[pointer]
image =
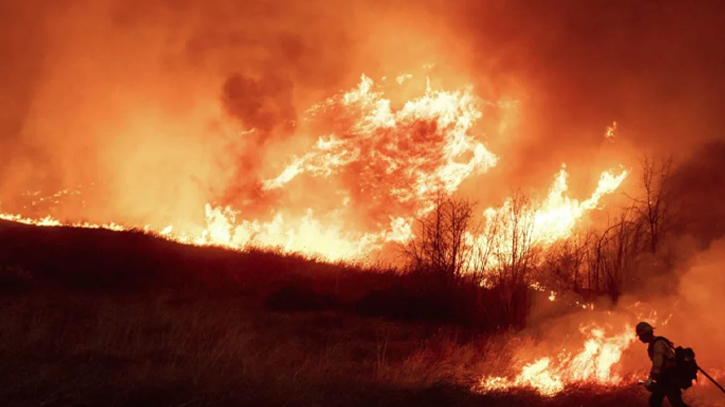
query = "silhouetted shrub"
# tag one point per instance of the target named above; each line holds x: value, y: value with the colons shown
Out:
x: 299, y: 294
x: 111, y: 262
x: 464, y: 302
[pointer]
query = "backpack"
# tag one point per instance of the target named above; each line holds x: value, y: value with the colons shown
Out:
x: 685, y: 367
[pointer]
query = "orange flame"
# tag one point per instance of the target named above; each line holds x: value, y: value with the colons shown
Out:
x: 553, y: 220
x: 421, y: 149
x: 433, y: 131
x: 550, y: 375
x: 558, y: 215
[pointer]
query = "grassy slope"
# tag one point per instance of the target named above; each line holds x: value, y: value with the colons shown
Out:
x: 99, y: 318
x: 91, y: 350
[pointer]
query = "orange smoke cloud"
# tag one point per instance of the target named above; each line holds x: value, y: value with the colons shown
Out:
x: 386, y: 164
x: 125, y: 91
x: 159, y: 102
x: 223, y: 122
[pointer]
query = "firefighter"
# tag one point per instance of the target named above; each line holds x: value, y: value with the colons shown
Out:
x: 661, y: 381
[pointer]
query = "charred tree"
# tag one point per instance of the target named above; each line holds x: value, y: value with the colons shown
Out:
x: 440, y: 247
x: 654, y: 205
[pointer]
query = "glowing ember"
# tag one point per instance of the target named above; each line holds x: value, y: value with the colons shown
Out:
x: 611, y: 132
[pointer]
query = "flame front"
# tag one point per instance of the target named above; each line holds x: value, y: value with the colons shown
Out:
x: 418, y: 150
x: 558, y: 215
x: 394, y: 160
x: 591, y: 364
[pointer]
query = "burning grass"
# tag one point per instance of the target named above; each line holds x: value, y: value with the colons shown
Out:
x: 151, y: 322
x: 162, y: 350
x: 403, y: 157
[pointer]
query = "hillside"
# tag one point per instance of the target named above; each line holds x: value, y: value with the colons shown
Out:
x: 134, y: 319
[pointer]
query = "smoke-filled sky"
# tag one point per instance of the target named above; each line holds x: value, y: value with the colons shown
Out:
x: 156, y: 97
x: 154, y: 100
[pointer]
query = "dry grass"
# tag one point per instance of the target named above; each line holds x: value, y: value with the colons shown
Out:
x: 130, y: 263
x: 60, y: 350
x: 95, y: 318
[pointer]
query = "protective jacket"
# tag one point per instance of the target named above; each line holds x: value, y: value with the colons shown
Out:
x: 662, y: 355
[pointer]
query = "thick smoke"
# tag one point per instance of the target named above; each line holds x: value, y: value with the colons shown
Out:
x: 262, y: 105
x: 154, y: 98
x: 174, y: 104
x: 167, y: 105
x: 697, y: 187
x: 652, y: 66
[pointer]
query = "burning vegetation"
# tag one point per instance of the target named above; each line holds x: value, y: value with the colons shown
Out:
x: 395, y: 164
x: 507, y: 197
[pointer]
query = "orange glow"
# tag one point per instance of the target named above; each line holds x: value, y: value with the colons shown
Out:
x: 380, y: 134
x: 554, y: 219
x: 50, y: 221
x: 591, y: 363
x: 593, y: 357
x: 402, y: 158
x: 611, y: 132
x: 558, y: 215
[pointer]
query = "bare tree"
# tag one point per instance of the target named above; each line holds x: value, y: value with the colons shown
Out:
x: 612, y: 252
x: 622, y: 240
x: 513, y: 255
x: 441, y: 246
x: 654, y: 206
x: 514, y: 246
x: 564, y: 263
x: 484, y: 245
